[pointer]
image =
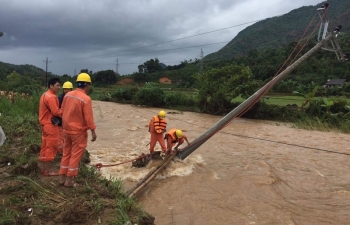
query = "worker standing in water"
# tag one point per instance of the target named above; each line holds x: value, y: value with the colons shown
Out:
x: 67, y: 87
x: 175, y: 136
x: 157, y: 127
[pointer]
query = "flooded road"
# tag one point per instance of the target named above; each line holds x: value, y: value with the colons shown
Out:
x: 251, y: 172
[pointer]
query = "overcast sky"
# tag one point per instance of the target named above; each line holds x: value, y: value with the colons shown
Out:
x: 93, y: 35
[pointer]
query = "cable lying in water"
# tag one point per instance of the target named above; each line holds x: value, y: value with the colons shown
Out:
x: 295, y: 145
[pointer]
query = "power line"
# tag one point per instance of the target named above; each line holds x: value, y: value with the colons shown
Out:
x: 204, y: 33
x: 263, y: 139
x: 164, y: 50
x: 290, y: 144
x: 171, y: 49
x: 195, y: 35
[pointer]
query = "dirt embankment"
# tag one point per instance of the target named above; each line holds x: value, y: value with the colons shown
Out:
x: 28, y: 197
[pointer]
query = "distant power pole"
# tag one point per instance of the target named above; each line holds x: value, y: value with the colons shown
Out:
x: 201, y: 63
x: 116, y: 68
x: 46, y: 62
x: 75, y: 71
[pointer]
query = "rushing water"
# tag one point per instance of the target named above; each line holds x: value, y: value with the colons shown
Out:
x: 251, y: 172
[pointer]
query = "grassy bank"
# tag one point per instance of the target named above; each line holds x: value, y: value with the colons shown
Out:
x: 29, y: 198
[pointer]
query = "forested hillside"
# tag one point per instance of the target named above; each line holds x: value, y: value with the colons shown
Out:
x: 318, y: 68
x: 263, y: 47
x: 280, y: 31
x: 7, y: 68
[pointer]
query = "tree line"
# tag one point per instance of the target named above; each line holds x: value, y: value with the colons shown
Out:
x: 264, y: 64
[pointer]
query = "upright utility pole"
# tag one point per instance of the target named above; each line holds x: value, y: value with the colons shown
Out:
x: 116, y: 69
x: 46, y: 62
x: 201, y: 63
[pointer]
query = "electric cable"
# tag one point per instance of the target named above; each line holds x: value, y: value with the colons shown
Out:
x: 237, y: 25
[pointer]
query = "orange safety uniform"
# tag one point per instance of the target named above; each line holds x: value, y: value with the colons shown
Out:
x: 48, y: 108
x: 157, y: 127
x: 61, y: 136
x: 60, y: 140
x: 172, y: 139
x: 77, y: 117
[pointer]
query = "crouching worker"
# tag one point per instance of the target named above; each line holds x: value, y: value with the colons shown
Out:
x: 77, y: 119
x: 175, y: 136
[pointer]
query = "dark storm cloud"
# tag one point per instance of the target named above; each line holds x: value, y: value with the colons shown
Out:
x: 83, y: 33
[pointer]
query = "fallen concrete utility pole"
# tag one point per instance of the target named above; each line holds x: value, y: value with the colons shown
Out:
x: 149, y: 177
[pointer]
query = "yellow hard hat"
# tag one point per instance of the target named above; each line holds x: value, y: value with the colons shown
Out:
x: 67, y: 85
x: 84, y: 77
x: 161, y: 114
x: 178, y: 133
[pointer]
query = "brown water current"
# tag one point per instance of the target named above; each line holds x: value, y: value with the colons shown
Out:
x: 251, y: 172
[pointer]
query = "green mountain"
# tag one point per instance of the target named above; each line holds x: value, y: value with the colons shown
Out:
x: 7, y: 68
x: 279, y: 31
x: 27, y: 71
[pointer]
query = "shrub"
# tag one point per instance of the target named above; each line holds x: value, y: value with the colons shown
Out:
x: 125, y: 94
x: 150, y: 95
x: 177, y: 99
x: 262, y: 110
x: 317, y: 107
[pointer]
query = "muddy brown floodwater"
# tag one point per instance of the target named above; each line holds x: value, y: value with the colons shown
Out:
x: 251, y: 172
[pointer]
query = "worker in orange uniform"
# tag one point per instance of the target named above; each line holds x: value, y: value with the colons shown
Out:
x: 157, y: 127
x: 77, y: 119
x: 67, y: 87
x: 175, y: 136
x: 48, y: 108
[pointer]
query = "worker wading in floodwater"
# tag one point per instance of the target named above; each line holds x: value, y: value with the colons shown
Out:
x: 175, y: 136
x: 157, y: 127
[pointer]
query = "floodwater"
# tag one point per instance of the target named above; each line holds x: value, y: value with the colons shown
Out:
x: 251, y: 172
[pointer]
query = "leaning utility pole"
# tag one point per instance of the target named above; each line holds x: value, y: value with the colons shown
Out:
x: 47, y: 62
x: 328, y: 41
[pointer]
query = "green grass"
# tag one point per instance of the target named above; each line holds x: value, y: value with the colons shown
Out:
x: 8, y: 216
x: 190, y: 93
x: 19, y: 120
x: 283, y: 100
x: 313, y: 123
